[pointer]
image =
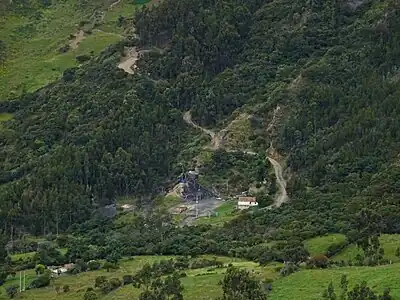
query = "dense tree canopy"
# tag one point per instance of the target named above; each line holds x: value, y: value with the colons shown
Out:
x: 98, y: 133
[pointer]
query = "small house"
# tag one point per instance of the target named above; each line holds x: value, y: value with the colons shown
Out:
x: 246, y: 202
x: 127, y: 207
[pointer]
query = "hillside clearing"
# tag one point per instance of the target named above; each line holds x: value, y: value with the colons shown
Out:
x: 319, y: 245
x: 310, y: 284
x: 389, y: 242
x: 34, y: 59
x: 222, y: 214
x: 198, y: 281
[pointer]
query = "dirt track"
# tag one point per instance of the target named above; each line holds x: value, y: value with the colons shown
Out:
x: 217, y: 142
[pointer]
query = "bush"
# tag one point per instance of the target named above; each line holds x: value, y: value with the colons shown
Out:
x: 74, y: 271
x: 93, y: 265
x: 100, y: 281
x: 115, y: 283
x: 81, y: 265
x: 39, y: 269
x: 110, y: 266
x: 319, y: 261
x: 127, y: 279
x: 181, y: 263
x: 90, y: 294
x: 82, y: 58
x: 288, y: 269
x: 204, y: 263
x: 336, y: 248
x: 40, y: 281
x: 66, y: 288
x: 62, y: 240
x: 12, y: 291
x: 83, y: 23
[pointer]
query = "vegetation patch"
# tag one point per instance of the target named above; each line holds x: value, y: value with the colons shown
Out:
x: 32, y: 41
x: 309, y: 284
x: 223, y: 213
x: 320, y: 245
x: 389, y: 242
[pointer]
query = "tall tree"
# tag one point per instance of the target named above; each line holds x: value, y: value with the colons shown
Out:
x: 240, y: 285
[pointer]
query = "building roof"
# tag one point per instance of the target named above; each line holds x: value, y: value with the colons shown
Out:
x: 247, y: 199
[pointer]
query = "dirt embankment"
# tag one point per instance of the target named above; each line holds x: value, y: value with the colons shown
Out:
x: 79, y: 37
x: 128, y: 61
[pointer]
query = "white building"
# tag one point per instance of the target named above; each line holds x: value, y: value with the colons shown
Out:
x: 246, y: 202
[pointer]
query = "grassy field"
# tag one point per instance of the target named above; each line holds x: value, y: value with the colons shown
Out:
x: 199, y: 283
x: 23, y: 256
x: 309, y: 284
x: 203, y: 284
x: 33, y: 41
x: 5, y: 117
x: 224, y: 213
x: 389, y: 242
x: 319, y: 245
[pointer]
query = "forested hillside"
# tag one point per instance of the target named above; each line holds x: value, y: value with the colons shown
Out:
x: 82, y: 141
x: 98, y: 133
x: 314, y: 84
x: 333, y: 65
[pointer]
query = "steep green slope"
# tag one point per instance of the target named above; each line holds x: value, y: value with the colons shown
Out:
x: 82, y: 141
x: 42, y: 38
x: 310, y: 284
x: 331, y: 66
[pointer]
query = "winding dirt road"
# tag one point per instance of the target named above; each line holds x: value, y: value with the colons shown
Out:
x: 114, y: 4
x: 217, y: 141
x: 281, y: 197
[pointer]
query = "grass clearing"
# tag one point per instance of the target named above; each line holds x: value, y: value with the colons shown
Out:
x: 33, y: 41
x: 310, y: 284
x: 319, y: 245
x: 223, y: 213
x: 5, y: 117
x: 23, y: 256
x: 389, y: 242
x: 194, y: 283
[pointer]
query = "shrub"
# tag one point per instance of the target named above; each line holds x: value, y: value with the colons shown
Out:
x: 181, y: 263
x: 110, y: 266
x: 81, y: 265
x: 73, y: 271
x: 62, y: 240
x: 336, y: 248
x: 93, y: 265
x: 288, y: 269
x: 319, y: 261
x: 127, y: 279
x: 82, y: 58
x: 40, y: 281
x: 12, y: 291
x: 83, y: 23
x: 39, y: 269
x: 66, y: 288
x: 203, y: 263
x: 115, y: 283
x: 90, y: 294
x: 100, y: 281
